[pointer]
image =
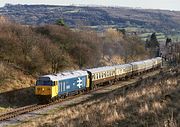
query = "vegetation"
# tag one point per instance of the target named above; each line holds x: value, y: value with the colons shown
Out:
x: 153, y: 45
x: 60, y: 22
x: 154, y: 102
x: 139, y: 20
x: 135, y: 21
x: 153, y: 42
x: 52, y: 48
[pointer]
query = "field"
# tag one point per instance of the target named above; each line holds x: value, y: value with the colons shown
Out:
x: 145, y: 33
x: 175, y: 37
x: 152, y: 102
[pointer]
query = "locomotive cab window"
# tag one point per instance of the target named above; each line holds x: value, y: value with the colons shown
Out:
x: 46, y: 83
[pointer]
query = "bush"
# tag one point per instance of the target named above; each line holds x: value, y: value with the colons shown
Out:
x: 51, y: 48
x: 3, y: 73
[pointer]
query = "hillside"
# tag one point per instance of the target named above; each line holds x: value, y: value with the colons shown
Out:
x: 164, y: 21
x: 30, y: 51
x: 27, y: 52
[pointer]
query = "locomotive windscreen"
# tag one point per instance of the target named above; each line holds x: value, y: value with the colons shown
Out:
x: 44, y: 83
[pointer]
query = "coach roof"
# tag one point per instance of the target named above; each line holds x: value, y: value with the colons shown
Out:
x: 101, y: 69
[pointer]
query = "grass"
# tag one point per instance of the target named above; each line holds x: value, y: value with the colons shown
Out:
x: 12, y: 79
x: 175, y: 37
x: 153, y: 103
x: 15, y: 86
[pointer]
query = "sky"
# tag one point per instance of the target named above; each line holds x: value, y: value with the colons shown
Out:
x: 148, y: 4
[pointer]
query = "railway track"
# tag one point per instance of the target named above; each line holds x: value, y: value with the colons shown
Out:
x: 30, y: 108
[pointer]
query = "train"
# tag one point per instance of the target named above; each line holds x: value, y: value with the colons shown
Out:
x: 60, y: 85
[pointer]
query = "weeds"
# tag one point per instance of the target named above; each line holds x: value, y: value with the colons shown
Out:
x: 145, y: 105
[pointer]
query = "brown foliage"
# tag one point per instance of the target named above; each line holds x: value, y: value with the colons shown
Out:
x: 51, y: 48
x: 130, y: 48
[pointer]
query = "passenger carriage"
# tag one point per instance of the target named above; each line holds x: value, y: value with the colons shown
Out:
x: 149, y: 64
x: 123, y: 71
x: 138, y: 67
x: 157, y: 62
x: 101, y: 75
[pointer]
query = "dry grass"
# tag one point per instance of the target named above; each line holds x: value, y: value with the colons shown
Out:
x: 12, y: 79
x: 155, y: 103
x: 14, y: 86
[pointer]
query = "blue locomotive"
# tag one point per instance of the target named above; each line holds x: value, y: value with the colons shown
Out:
x: 50, y: 87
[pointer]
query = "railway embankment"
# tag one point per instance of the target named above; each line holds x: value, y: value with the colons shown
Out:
x: 150, y: 100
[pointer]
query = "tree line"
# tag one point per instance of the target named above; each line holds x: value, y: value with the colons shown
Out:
x: 53, y: 48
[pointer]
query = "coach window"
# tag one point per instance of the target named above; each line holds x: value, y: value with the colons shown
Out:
x: 64, y: 86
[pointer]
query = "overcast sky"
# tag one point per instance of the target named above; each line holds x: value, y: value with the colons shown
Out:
x: 153, y: 4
